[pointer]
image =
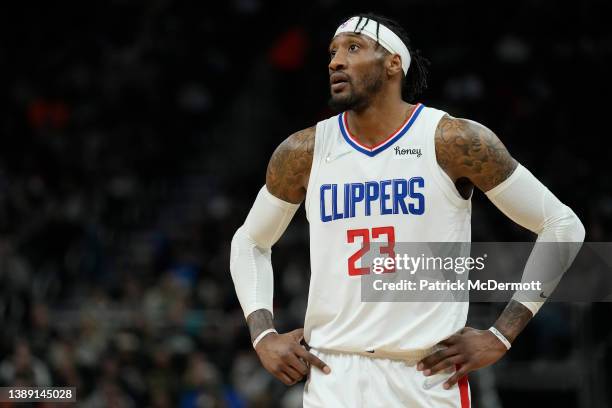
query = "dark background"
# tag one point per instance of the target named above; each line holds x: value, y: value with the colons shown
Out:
x: 135, y: 136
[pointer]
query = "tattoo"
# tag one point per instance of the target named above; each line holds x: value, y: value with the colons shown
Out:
x: 259, y: 321
x: 513, y: 320
x: 466, y: 149
x: 289, y: 168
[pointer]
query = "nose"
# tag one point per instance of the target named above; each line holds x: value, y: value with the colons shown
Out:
x: 338, y: 62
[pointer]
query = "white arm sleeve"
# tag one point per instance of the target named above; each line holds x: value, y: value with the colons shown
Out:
x: 250, y: 259
x: 526, y: 201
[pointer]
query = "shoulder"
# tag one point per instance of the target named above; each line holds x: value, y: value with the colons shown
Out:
x: 465, y: 148
x: 299, y: 142
x: 450, y: 128
x: 289, y: 166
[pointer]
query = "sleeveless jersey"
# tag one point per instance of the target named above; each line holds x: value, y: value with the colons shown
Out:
x: 394, y: 188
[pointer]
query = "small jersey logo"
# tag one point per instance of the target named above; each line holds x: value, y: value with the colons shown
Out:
x: 405, y: 153
x: 331, y: 158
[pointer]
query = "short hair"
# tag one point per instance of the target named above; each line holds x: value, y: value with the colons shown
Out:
x: 415, y: 81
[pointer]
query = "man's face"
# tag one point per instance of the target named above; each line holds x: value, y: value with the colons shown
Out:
x: 356, y: 71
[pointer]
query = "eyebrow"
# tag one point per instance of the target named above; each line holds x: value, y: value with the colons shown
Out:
x: 354, y: 35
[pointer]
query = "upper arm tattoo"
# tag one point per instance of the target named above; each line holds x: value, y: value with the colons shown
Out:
x: 467, y: 149
x: 289, y: 168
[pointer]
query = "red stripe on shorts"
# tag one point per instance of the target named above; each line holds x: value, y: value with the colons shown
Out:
x: 464, y: 392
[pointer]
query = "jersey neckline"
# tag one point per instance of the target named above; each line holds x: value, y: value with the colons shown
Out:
x: 379, y: 147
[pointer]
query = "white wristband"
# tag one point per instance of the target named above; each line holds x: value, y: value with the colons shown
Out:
x: 501, y: 337
x: 262, y: 335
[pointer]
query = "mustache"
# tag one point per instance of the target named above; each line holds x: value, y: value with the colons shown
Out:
x: 339, y: 77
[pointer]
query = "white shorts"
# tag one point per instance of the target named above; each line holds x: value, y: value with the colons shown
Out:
x: 360, y: 381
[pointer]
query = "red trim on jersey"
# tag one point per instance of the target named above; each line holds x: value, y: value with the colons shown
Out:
x: 370, y: 148
x: 464, y: 392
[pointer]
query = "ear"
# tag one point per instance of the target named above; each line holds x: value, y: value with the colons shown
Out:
x: 393, y: 64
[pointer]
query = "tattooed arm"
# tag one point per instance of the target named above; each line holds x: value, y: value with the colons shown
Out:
x: 286, y: 178
x: 472, y: 155
x: 286, y: 182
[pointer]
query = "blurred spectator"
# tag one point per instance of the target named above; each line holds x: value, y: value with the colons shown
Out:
x: 24, y: 368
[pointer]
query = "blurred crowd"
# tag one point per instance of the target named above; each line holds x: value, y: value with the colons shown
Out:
x: 136, y: 135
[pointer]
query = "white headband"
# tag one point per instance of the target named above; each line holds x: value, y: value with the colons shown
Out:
x: 387, y: 38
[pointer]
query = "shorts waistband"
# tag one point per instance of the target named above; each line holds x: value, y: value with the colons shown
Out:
x: 409, y: 357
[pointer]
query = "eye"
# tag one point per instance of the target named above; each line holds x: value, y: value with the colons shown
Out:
x: 354, y: 47
x: 332, y: 53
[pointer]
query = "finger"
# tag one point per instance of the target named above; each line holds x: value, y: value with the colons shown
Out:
x: 313, y: 360
x: 445, y: 364
x: 296, y: 363
x: 292, y: 373
x: 434, y: 358
x: 284, y: 377
x: 451, y: 340
x: 462, y: 372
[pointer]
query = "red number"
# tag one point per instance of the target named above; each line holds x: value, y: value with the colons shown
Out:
x: 365, y: 247
x: 388, y: 249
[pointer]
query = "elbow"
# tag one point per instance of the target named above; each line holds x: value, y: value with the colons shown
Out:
x: 238, y: 236
x: 568, y: 227
x: 241, y: 242
x: 575, y: 229
x: 235, y: 249
x: 581, y: 231
x: 242, y: 237
x: 564, y: 226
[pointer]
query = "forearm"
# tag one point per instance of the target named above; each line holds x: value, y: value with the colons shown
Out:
x: 258, y: 321
x: 560, y: 234
x: 513, y: 320
x: 251, y: 270
x: 250, y: 258
x: 530, y: 204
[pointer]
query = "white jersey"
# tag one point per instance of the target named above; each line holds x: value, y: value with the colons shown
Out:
x: 394, y: 191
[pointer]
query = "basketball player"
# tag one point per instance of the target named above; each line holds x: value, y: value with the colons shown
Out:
x: 383, y: 169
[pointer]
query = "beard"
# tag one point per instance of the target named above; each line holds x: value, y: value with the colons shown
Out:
x: 358, y: 97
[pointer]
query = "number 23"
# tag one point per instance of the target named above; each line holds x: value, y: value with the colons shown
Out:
x: 364, y: 233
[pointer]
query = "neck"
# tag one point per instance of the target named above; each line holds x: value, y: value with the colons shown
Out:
x: 383, y: 116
